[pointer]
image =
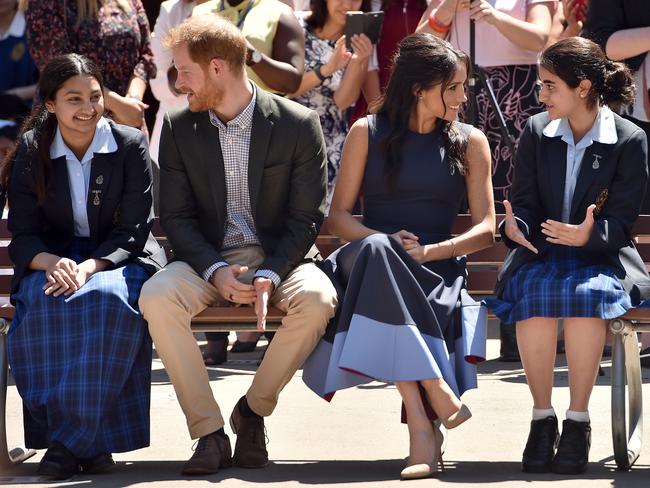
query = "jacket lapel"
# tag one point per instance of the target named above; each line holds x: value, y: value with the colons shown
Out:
x: 593, y: 161
x: 260, y: 138
x: 62, y: 198
x: 208, y: 135
x: 100, y: 174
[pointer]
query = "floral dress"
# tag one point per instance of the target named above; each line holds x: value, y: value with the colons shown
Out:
x: 321, y: 99
x: 117, y: 40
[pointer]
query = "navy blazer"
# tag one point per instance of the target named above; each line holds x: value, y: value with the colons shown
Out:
x: 120, y: 225
x: 538, y: 190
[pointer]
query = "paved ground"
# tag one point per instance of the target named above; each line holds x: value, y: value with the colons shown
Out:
x: 357, y: 440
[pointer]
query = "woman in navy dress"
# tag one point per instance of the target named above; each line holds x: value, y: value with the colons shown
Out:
x: 580, y: 177
x: 401, y: 279
x: 80, y: 212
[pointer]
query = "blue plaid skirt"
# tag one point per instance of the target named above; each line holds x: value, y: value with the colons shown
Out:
x: 82, y: 364
x: 561, y: 284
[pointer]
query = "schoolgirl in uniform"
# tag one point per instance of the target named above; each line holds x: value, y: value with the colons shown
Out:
x: 80, y: 213
x: 580, y: 177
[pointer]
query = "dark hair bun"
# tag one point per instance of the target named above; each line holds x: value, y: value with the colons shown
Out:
x: 618, y: 85
x: 575, y: 59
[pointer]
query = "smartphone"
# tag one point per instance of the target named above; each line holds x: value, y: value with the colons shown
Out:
x: 368, y: 23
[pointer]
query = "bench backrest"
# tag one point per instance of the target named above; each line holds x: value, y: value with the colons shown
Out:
x: 483, y: 266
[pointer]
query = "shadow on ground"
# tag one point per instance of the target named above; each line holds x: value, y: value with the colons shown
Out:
x: 319, y: 472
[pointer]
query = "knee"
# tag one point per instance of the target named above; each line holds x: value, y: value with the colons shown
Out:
x: 155, y: 292
x: 317, y: 303
x: 376, y: 241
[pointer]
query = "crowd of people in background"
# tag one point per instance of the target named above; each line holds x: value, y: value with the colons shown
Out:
x: 375, y: 130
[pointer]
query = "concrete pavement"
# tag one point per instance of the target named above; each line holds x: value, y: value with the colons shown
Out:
x: 357, y: 439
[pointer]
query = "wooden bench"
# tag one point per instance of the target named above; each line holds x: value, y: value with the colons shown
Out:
x: 483, y: 267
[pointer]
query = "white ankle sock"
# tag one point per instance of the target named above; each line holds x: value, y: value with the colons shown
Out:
x: 542, y: 413
x: 577, y: 416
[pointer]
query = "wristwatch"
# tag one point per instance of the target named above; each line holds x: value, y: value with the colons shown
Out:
x: 319, y: 73
x: 253, y: 56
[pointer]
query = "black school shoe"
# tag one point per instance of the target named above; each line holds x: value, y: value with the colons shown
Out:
x: 573, y: 452
x: 58, y: 463
x: 540, y: 447
x: 102, y: 463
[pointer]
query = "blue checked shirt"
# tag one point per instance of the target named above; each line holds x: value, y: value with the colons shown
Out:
x: 235, y: 140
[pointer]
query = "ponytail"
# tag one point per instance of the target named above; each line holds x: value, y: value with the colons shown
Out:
x: 575, y: 59
x: 43, y: 126
x: 618, y: 85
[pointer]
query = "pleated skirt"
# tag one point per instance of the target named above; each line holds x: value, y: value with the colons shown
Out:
x: 561, y: 284
x: 82, y: 364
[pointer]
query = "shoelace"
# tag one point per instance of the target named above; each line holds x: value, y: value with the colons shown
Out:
x: 252, y: 434
x: 200, y: 445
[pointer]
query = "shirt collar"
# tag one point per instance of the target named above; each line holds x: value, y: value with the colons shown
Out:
x: 16, y: 28
x: 103, y: 142
x: 603, y: 130
x: 243, y: 120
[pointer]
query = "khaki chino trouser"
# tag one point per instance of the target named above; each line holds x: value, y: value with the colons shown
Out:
x: 175, y: 294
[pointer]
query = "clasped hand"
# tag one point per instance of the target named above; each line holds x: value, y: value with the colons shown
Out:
x: 64, y: 277
x: 229, y: 287
x: 409, y: 242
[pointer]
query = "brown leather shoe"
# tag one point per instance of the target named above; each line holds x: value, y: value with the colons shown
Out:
x: 250, y: 448
x: 212, y: 453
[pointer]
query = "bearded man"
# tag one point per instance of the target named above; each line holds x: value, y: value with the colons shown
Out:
x: 243, y: 176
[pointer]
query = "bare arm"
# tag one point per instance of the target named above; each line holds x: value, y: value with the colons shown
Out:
x: 481, y: 204
x: 355, y: 73
x: 353, y: 166
x: 338, y: 60
x: 283, y: 72
x: 444, y: 10
x: 628, y: 43
x: 371, y: 87
x: 356, y: 69
x: 531, y: 34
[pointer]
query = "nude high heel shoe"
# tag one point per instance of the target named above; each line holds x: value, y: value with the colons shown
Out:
x: 457, y: 418
x: 424, y: 470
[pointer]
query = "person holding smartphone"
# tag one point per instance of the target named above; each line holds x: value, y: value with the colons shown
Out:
x: 333, y: 75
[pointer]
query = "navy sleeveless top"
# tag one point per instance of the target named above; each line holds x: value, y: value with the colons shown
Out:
x: 426, y: 195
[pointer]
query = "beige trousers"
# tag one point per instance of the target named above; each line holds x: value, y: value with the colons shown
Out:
x: 175, y: 294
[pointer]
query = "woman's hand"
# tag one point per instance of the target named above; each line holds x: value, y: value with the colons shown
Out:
x: 482, y: 11
x: 128, y: 111
x: 574, y: 12
x: 404, y: 237
x: 361, y: 48
x: 417, y: 251
x: 569, y: 234
x: 338, y: 60
x: 61, y: 276
x: 513, y: 231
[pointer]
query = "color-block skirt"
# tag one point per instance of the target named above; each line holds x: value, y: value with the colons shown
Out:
x: 82, y: 364
x: 397, y: 320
